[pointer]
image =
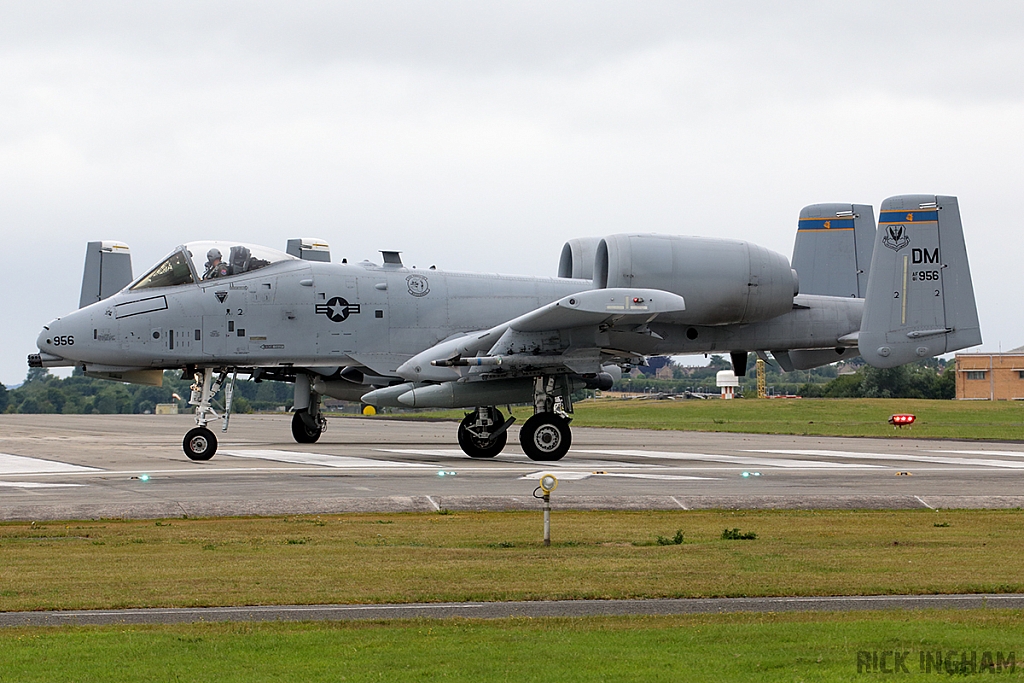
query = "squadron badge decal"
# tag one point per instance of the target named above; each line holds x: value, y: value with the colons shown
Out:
x: 896, y: 237
x: 337, y: 309
x: 418, y: 285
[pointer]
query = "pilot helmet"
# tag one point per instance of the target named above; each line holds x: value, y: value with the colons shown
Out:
x: 213, y: 255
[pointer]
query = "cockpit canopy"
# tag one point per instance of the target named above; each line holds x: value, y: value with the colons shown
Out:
x: 201, y: 261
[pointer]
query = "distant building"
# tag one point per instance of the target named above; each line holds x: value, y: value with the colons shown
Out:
x: 664, y: 372
x: 990, y: 376
x: 728, y: 382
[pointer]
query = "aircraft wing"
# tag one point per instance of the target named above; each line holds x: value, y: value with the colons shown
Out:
x: 564, y: 332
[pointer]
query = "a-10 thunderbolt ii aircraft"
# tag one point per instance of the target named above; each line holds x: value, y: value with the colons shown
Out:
x: 390, y: 335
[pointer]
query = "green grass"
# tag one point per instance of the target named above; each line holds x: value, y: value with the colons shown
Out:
x: 761, y: 647
x: 367, y: 558
x: 980, y: 420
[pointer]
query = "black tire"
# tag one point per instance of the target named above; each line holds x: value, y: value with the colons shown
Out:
x: 481, y: 448
x: 545, y: 437
x: 301, y: 431
x: 199, y: 444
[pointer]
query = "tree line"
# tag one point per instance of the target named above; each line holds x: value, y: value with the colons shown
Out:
x: 929, y: 378
x: 43, y: 392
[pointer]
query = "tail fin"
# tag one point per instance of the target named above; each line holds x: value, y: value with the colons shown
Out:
x: 108, y: 269
x: 833, y: 246
x: 920, y: 300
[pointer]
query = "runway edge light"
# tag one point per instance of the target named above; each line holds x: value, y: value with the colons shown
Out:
x: 902, y: 419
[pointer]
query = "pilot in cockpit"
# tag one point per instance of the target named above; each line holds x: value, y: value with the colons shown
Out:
x: 215, y: 267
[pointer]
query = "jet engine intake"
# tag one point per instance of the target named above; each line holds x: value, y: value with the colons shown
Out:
x: 577, y: 259
x: 723, y: 281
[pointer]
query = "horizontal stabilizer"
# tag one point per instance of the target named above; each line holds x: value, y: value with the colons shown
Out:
x: 832, y: 252
x: 920, y: 300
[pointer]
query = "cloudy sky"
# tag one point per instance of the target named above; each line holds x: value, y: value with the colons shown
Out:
x: 482, y: 135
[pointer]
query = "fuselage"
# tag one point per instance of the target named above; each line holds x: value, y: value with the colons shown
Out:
x: 310, y: 314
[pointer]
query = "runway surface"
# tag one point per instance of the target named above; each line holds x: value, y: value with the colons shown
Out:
x: 132, y: 466
x: 500, y: 610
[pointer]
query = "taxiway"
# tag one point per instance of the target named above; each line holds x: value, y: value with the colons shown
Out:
x: 131, y: 466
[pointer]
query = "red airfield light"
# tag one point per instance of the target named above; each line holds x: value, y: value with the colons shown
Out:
x: 902, y: 420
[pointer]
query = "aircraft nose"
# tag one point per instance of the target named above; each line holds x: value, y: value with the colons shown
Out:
x: 45, y: 340
x: 59, y: 337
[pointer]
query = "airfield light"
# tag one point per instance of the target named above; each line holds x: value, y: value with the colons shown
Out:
x: 745, y: 475
x: 548, y: 483
x: 441, y: 473
x: 143, y: 477
x: 902, y: 420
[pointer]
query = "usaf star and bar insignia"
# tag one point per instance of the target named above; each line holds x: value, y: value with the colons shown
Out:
x: 337, y: 309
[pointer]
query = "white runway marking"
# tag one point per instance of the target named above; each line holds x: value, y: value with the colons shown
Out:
x: 504, y: 458
x: 34, y: 485
x: 1004, y: 454
x: 921, y: 500
x: 660, y: 477
x: 338, y: 461
x: 577, y: 476
x: 733, y: 459
x: 19, y: 464
x: 562, y: 476
x: 1008, y: 464
x: 436, y: 452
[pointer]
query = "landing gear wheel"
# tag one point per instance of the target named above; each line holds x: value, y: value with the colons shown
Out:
x: 474, y: 446
x: 301, y: 429
x: 199, y: 444
x: 545, y: 437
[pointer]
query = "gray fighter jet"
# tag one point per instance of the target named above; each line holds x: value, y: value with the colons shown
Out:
x: 389, y: 335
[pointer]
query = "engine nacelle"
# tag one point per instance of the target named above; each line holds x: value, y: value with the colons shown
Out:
x: 577, y: 259
x: 723, y: 281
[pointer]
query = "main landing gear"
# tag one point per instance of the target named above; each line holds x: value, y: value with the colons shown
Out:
x: 200, y: 443
x: 484, y: 432
x: 545, y: 437
x: 308, y: 423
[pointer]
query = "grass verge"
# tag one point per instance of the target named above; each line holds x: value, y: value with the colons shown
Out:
x: 979, y: 420
x: 376, y: 558
x: 762, y: 647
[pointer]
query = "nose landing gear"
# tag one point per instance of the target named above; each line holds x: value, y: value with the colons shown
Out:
x: 200, y: 443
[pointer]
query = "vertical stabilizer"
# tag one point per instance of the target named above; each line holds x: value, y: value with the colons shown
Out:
x: 920, y: 300
x: 108, y: 270
x: 832, y: 251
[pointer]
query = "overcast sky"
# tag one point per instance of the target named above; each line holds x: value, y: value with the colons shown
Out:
x: 481, y: 136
